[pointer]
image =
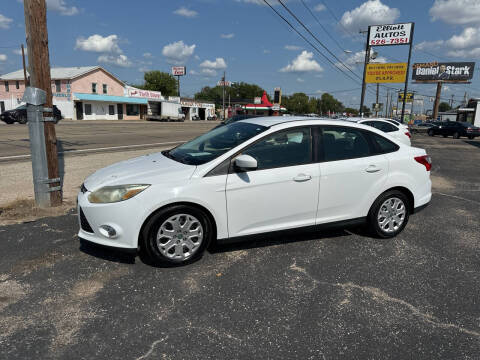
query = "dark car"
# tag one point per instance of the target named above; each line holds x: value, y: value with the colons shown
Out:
x: 421, y: 128
x: 20, y: 115
x: 455, y: 129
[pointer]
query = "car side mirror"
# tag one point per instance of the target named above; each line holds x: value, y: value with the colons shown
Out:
x: 245, y: 163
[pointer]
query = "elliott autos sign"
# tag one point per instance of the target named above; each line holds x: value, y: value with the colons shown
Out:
x: 449, y: 71
x: 393, y: 34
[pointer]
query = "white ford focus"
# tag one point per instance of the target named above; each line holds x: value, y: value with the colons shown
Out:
x: 250, y: 177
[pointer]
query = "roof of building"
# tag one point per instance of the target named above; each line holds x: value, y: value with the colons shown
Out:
x: 265, y: 104
x: 56, y: 73
x: 110, y: 98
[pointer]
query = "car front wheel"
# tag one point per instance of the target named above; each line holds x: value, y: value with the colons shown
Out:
x: 176, y: 235
x: 389, y: 214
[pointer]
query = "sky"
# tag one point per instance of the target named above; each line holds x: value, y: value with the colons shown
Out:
x: 247, y: 40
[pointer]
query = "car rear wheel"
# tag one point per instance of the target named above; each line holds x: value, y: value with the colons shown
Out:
x: 456, y: 135
x: 471, y: 137
x: 389, y: 214
x: 430, y: 133
x: 176, y: 235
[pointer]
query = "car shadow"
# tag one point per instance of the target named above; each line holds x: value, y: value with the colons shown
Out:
x: 108, y: 254
x: 473, y: 143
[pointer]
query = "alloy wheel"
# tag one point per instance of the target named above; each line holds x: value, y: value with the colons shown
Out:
x: 391, y: 215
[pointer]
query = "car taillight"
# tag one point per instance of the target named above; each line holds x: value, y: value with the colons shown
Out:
x: 408, y: 134
x: 424, y: 160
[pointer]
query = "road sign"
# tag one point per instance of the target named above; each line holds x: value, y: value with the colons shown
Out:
x: 179, y: 70
x: 391, y: 34
x: 386, y: 73
x: 409, y: 97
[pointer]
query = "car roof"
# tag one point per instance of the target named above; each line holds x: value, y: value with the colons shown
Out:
x: 269, y: 121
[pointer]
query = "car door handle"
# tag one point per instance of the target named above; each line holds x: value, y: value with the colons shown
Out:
x: 302, y: 177
x: 372, y: 169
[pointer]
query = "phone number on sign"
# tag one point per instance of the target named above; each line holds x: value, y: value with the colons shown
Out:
x: 389, y: 41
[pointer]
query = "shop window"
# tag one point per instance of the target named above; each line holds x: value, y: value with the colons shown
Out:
x: 105, y: 88
x: 88, y: 109
x: 7, y: 89
x: 94, y: 88
x: 111, y: 110
x: 58, y: 86
x: 133, y: 109
x: 17, y: 84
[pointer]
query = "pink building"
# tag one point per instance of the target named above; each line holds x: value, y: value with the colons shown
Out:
x: 81, y: 93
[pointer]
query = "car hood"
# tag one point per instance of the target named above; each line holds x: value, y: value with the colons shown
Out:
x: 148, y: 169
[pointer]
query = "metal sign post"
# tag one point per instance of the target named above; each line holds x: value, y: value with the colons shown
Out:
x: 408, y: 70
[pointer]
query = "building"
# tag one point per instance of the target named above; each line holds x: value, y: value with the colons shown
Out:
x: 81, y: 93
x: 263, y: 107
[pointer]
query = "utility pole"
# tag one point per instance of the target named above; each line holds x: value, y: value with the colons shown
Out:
x: 437, y: 101
x: 24, y: 68
x: 43, y: 141
x: 451, y: 101
x: 408, y: 71
x: 367, y: 59
x: 223, y: 92
x: 386, y: 104
x: 178, y: 84
x: 377, y: 105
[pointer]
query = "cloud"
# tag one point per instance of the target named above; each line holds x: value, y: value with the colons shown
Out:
x: 147, y: 55
x: 319, y: 7
x: 470, y: 37
x: 300, y: 80
x: 218, y: 64
x: 460, y: 12
x: 98, y: 43
x: 61, y: 7
x: 467, y: 53
x: 358, y: 58
x: 19, y: 51
x: 227, y: 36
x: 266, y: 51
x: 208, y: 72
x: 185, y: 12
x: 115, y: 60
x: 303, y: 63
x: 292, y: 47
x: 3, y: 57
x: 425, y: 45
x: 369, y: 13
x: 178, y: 53
x: 5, y: 22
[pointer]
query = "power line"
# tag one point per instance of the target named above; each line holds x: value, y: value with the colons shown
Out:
x: 309, y: 42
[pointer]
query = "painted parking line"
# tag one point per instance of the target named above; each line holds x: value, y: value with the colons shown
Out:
x: 122, y: 147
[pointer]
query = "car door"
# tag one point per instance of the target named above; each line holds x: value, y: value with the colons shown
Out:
x: 351, y: 173
x: 282, y: 192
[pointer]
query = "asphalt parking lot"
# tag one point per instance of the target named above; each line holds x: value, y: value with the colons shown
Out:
x: 330, y: 295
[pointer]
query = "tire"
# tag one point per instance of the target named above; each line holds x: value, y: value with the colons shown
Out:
x: 379, y: 213
x: 471, y: 137
x: 173, y: 249
x: 430, y: 133
x: 22, y: 119
x: 456, y: 135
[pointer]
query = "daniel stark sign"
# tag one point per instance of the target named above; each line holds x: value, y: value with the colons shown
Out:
x: 393, y: 34
x: 440, y: 71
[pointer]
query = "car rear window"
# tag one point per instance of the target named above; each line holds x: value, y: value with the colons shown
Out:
x: 383, y: 145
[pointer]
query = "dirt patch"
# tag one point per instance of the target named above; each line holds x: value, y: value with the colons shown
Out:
x: 22, y: 210
x: 441, y: 183
x: 46, y: 260
x: 11, y: 291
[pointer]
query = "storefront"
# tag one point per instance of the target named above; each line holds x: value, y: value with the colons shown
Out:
x: 106, y: 107
x: 195, y: 110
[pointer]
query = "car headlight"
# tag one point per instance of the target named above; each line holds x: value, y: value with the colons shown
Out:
x: 111, y: 194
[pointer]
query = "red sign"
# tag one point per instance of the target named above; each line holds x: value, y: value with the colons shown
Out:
x: 179, y: 70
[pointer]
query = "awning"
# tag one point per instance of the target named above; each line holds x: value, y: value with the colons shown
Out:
x: 109, y: 98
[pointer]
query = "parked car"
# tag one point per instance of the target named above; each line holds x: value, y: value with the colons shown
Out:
x: 455, y: 129
x: 236, y: 118
x: 399, y: 132
x: 20, y: 115
x: 252, y: 177
x: 213, y: 117
x: 421, y: 128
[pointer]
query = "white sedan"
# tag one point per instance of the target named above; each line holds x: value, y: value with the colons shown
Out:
x: 250, y: 177
x: 399, y: 131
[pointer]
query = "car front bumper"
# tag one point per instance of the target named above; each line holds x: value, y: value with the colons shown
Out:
x: 124, y: 217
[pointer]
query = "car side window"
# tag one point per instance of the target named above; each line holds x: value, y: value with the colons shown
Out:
x: 341, y: 143
x: 383, y: 126
x: 382, y: 145
x: 281, y: 149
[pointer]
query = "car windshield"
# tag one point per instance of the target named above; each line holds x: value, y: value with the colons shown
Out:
x: 216, y: 142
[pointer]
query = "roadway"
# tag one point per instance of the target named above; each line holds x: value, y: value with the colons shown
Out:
x: 100, y: 136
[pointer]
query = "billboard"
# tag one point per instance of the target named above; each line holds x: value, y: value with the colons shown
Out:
x: 443, y: 71
x: 386, y: 73
x: 392, y: 34
x: 409, y: 97
x: 224, y: 83
x: 179, y: 70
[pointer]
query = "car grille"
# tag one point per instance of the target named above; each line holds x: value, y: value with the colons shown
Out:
x: 84, y: 223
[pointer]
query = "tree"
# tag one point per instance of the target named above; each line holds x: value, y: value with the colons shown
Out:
x: 238, y: 92
x: 444, y: 106
x: 160, y: 81
x: 351, y: 111
x: 366, y: 111
x: 329, y: 104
